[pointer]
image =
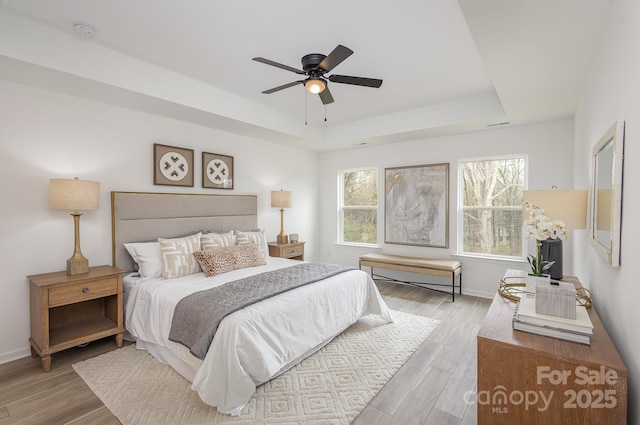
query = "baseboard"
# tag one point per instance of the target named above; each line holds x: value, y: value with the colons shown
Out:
x: 479, y: 294
x: 10, y: 356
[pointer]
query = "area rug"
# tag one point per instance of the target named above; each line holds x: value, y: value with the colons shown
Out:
x: 330, y: 387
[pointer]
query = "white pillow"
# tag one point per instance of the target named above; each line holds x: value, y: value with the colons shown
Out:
x: 210, y: 241
x: 177, y: 256
x: 147, y: 256
x: 258, y: 237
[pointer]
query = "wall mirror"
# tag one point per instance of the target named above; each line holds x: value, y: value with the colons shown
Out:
x: 606, y: 194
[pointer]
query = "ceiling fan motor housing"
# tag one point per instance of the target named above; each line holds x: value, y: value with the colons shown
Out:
x: 311, y: 61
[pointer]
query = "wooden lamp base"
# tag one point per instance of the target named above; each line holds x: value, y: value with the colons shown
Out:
x: 282, y: 237
x: 77, y: 264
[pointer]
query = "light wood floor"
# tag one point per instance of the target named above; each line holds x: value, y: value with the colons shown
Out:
x: 428, y: 389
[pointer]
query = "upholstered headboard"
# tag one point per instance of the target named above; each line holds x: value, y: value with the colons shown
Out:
x: 144, y: 216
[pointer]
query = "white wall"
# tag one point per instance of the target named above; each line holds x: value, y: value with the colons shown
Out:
x: 46, y: 135
x: 613, y: 93
x: 547, y: 145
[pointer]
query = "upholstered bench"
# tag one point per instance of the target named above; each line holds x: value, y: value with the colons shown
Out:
x: 446, y: 268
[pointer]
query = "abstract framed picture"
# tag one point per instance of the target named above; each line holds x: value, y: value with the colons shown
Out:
x: 217, y: 171
x: 172, y: 166
x: 417, y: 205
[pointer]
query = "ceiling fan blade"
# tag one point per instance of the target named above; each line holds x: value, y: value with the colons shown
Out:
x: 356, y: 81
x: 325, y: 96
x: 282, y: 87
x: 335, y: 58
x: 279, y: 65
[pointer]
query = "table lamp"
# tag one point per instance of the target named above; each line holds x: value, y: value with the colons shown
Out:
x: 75, y: 195
x: 568, y: 206
x: 281, y: 199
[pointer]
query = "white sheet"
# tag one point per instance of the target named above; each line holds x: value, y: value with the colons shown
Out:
x: 256, y: 343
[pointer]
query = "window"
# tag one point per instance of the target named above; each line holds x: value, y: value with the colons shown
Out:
x: 358, y: 204
x: 491, y: 206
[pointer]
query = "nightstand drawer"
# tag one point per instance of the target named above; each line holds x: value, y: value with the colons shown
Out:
x: 293, y: 251
x: 78, y: 292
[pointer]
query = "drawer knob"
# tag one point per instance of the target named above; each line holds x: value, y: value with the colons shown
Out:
x: 85, y: 290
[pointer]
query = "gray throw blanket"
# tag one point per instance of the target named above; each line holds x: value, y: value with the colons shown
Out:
x: 197, y: 316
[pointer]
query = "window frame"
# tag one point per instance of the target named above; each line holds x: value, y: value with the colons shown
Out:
x: 341, y: 207
x: 460, y: 208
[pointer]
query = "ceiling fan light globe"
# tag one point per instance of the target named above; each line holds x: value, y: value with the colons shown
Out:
x: 315, y: 86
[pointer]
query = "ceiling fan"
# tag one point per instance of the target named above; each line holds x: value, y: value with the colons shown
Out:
x: 314, y: 66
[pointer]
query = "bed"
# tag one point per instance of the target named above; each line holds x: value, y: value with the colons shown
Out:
x: 251, y: 345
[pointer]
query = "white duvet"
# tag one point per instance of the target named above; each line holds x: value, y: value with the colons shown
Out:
x: 256, y: 343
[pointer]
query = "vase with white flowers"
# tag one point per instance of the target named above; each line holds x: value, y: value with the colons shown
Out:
x: 540, y: 227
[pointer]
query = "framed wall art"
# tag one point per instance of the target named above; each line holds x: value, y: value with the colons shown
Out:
x: 217, y: 171
x: 172, y: 166
x: 417, y: 205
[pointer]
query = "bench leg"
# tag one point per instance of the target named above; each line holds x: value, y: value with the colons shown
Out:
x: 360, y: 267
x: 453, y: 287
x: 422, y: 284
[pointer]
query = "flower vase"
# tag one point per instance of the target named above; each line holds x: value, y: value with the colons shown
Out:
x: 551, y: 250
x: 532, y: 281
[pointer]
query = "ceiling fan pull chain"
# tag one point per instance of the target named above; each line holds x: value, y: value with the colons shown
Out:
x: 325, y: 113
x: 305, y: 107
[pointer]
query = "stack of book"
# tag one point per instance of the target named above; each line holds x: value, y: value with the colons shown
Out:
x: 526, y: 319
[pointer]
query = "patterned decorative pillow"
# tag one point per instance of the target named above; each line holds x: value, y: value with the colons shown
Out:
x: 217, y: 240
x: 258, y: 237
x: 223, y: 260
x: 177, y: 256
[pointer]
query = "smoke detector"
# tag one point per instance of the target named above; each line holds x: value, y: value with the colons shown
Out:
x: 84, y: 30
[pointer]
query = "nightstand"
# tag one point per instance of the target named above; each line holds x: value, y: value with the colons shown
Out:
x: 293, y: 250
x: 67, y: 310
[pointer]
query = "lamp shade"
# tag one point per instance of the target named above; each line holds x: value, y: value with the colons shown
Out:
x: 280, y: 198
x: 74, y: 194
x: 569, y: 206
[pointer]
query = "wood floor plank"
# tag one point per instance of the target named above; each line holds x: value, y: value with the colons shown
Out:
x: 99, y: 416
x: 32, y: 385
x: 460, y: 322
x: 418, y: 404
x: 471, y: 413
x: 443, y: 332
x: 462, y: 381
x: 392, y: 395
x: 463, y: 333
x: 438, y: 417
x: 449, y: 356
x: 371, y: 416
x: 66, y: 395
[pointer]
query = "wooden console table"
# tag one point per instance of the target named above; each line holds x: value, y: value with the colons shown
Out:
x: 531, y: 379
